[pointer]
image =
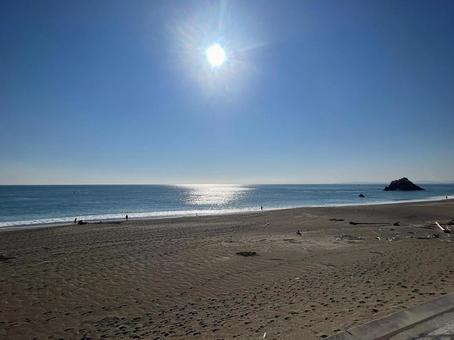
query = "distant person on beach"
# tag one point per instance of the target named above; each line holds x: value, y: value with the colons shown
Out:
x: 126, y: 217
x: 75, y: 220
x: 261, y: 207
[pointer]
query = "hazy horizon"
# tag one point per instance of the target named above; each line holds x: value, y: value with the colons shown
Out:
x: 167, y: 92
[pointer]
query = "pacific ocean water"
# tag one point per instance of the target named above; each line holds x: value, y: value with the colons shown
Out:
x: 42, y: 204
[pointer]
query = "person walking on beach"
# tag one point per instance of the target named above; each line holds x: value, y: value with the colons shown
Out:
x: 126, y: 217
x: 75, y: 220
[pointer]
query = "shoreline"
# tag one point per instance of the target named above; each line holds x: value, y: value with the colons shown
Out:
x: 240, y: 212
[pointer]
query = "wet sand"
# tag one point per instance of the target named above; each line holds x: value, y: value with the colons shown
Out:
x: 182, y: 278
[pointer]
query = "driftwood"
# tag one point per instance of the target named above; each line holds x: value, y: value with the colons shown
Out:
x: 444, y: 229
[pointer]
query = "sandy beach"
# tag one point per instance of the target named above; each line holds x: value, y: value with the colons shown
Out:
x: 182, y: 278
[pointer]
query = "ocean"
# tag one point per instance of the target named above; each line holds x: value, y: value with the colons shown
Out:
x: 42, y: 204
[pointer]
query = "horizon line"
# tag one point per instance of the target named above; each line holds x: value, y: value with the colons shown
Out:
x: 182, y: 184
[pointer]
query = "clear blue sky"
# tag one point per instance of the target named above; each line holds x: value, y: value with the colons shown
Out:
x: 312, y: 91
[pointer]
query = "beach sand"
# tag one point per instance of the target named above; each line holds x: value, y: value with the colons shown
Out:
x: 181, y: 278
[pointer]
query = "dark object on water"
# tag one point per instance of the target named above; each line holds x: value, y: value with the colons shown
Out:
x: 403, y: 184
x: 81, y: 222
x: 127, y: 217
x: 75, y: 220
x: 361, y: 195
x: 396, y: 224
x: 299, y: 233
x: 246, y: 253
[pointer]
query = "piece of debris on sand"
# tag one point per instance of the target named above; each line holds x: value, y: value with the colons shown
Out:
x: 428, y: 237
x: 247, y: 253
x: 444, y: 229
x: 349, y: 238
x: 357, y: 223
x: 395, y: 237
x: 4, y: 258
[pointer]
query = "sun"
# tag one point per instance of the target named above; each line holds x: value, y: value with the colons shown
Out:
x: 215, y: 55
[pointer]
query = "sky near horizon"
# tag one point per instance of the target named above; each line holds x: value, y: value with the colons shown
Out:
x: 311, y: 91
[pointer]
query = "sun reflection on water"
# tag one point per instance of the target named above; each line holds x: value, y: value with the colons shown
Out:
x: 213, y: 194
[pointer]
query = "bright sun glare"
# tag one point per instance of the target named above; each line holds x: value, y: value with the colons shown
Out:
x: 215, y: 55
